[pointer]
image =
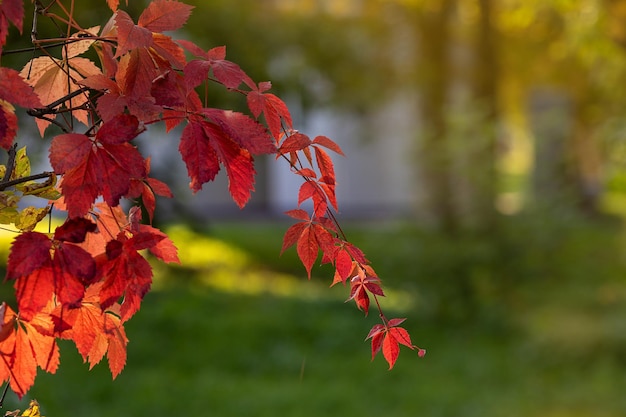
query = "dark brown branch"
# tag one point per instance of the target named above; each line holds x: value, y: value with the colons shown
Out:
x: 10, y: 163
x: 5, y: 185
x: 50, y: 108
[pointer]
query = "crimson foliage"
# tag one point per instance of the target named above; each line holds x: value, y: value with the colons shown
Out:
x: 85, y: 279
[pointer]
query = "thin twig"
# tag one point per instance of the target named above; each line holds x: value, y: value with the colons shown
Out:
x: 10, y: 164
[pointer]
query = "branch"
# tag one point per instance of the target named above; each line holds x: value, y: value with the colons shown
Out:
x: 10, y: 164
x: 5, y: 185
x: 50, y: 108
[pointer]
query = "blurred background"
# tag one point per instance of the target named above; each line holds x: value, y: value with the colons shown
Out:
x: 485, y: 179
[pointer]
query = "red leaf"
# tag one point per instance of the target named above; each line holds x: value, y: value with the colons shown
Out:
x: 391, y: 350
x: 307, y: 248
x: 8, y: 125
x: 116, y: 344
x: 226, y: 72
x: 129, y: 35
x: 273, y: 108
x: 293, y: 143
x: 39, y: 331
x: 243, y: 130
x: 308, y: 173
x: 360, y: 285
x: 164, y: 249
x: 237, y: 161
x: 15, y: 90
x: 29, y: 252
x: 298, y: 214
x: 84, y: 322
x: 10, y: 11
x: 120, y: 129
x: 164, y: 15
x: 328, y: 143
x: 388, y: 337
x: 126, y: 273
x: 90, y: 170
x: 292, y: 235
x: 74, y: 230
x: 343, y: 264
x: 199, y: 156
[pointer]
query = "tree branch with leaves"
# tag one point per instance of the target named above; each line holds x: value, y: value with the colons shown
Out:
x: 83, y: 280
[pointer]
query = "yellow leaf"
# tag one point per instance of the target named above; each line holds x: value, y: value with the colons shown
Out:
x: 22, y: 164
x: 32, y: 410
x: 29, y: 217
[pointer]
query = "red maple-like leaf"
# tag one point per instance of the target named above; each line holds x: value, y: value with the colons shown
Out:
x: 26, y: 344
x: 13, y: 91
x: 204, y: 146
x: 43, y: 268
x: 95, y: 332
x: 309, y: 236
x: 273, y: 108
x: 226, y: 72
x: 125, y: 272
x: 55, y: 79
x: 81, y: 323
x: 243, y: 130
x: 102, y: 166
x: 11, y: 11
x: 164, y: 15
x: 388, y: 337
x: 363, y: 283
x: 129, y: 35
x: 113, y: 342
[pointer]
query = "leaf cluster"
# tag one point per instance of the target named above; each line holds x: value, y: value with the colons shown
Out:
x: 86, y: 278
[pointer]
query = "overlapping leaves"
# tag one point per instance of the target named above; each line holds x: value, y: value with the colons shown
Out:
x: 85, y: 279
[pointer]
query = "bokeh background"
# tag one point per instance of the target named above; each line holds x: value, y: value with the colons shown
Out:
x: 485, y: 179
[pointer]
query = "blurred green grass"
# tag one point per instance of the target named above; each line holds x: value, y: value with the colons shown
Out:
x: 240, y: 331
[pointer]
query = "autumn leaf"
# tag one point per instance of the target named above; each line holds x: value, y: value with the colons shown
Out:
x: 95, y: 331
x: 226, y: 72
x: 129, y: 35
x: 131, y: 88
x: 13, y: 91
x: 103, y: 166
x: 11, y: 11
x: 113, y: 342
x: 125, y: 272
x: 164, y: 15
x: 309, y: 237
x: 243, y: 130
x: 43, y: 268
x: 362, y: 284
x: 273, y: 108
x: 29, y: 344
x: 204, y: 147
x: 388, y: 337
x: 81, y: 323
x: 53, y: 79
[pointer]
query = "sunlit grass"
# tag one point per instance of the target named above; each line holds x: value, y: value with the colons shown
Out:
x: 225, y: 267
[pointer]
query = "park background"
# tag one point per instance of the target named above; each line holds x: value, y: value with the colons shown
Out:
x: 484, y: 179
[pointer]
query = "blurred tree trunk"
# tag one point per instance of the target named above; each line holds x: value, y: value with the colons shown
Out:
x: 550, y: 113
x: 482, y: 177
x: 434, y: 160
x: 588, y: 159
